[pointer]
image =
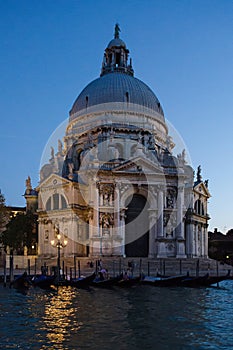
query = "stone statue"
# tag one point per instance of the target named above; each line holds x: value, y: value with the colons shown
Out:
x: 59, y: 146
x: 199, y: 178
x: 28, y: 183
x: 52, y: 152
x: 117, y: 31
x: 206, y: 183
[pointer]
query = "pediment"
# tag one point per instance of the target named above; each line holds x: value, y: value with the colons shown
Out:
x: 53, y: 180
x: 201, y: 189
x: 139, y: 164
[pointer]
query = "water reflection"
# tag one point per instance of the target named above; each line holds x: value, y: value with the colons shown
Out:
x: 60, y: 317
x: 122, y: 319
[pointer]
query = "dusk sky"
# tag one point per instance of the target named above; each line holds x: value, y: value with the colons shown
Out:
x: 50, y: 50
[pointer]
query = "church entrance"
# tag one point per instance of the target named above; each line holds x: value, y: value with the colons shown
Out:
x: 137, y: 227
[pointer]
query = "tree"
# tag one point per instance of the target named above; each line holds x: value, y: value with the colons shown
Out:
x: 20, y: 231
x: 230, y: 233
x: 4, y: 213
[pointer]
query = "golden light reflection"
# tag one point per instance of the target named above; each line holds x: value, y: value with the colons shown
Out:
x: 59, y: 312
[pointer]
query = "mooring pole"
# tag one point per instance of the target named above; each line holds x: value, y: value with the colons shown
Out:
x: 4, y: 271
x: 79, y: 270
x: 29, y: 267
x: 75, y: 274
x: 11, y: 268
x: 35, y: 267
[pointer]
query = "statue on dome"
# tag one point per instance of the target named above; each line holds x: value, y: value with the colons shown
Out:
x: 28, y: 183
x: 52, y: 152
x: 117, y: 31
x: 199, y: 178
x: 59, y: 146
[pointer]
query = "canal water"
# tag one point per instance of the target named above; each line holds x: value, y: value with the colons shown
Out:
x: 142, y: 317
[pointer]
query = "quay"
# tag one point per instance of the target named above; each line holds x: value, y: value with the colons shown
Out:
x: 72, y: 267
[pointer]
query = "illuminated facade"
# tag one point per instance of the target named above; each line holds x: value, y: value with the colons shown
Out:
x: 114, y: 186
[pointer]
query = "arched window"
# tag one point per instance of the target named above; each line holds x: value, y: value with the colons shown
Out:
x: 63, y: 202
x: 56, y: 201
x: 199, y: 207
x: 48, y: 204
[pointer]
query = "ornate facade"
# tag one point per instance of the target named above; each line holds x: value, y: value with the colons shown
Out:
x: 114, y: 187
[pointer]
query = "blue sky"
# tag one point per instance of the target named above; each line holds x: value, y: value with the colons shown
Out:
x: 182, y: 49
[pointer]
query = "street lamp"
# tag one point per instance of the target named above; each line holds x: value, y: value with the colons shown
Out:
x: 59, y: 244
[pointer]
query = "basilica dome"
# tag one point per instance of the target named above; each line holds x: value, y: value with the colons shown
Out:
x: 117, y: 85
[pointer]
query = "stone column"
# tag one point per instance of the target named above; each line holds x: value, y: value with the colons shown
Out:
x: 189, y: 240
x: 122, y: 230
x: 152, y: 232
x: 117, y: 229
x: 160, y: 231
x: 179, y: 216
x: 180, y: 246
x: 94, y: 233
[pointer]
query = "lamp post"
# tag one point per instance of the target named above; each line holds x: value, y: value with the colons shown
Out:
x: 59, y: 244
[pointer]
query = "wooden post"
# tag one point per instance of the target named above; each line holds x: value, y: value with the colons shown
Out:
x: 71, y: 273
x: 140, y: 267
x: 119, y: 266
x: 63, y: 269
x: 113, y: 268
x: 180, y: 267
x: 161, y: 266
x: 96, y: 267
x: 5, y: 271
x: 164, y: 267
x: 11, y: 267
x: 29, y: 268
x: 79, y: 271
x: 35, y: 267
x: 197, y: 268
x: 217, y: 271
x: 75, y: 274
x: 148, y: 268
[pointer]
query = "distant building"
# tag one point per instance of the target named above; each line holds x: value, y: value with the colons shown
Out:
x: 221, y: 246
x: 114, y: 186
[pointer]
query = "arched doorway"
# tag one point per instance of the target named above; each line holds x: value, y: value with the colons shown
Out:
x: 137, y: 227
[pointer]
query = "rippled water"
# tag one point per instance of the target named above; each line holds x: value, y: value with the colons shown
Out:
x: 143, y: 317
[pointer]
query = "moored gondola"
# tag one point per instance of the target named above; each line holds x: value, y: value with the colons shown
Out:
x: 21, y: 282
x: 128, y: 282
x: 105, y: 283
x: 43, y: 281
x: 172, y: 281
x: 83, y: 282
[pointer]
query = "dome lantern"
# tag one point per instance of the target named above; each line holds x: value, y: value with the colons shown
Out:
x: 116, y: 56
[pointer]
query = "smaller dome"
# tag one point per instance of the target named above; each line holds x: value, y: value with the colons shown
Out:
x: 116, y: 42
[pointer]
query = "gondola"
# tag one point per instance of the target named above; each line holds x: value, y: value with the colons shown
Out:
x: 21, y: 282
x: 172, y: 281
x: 105, y: 283
x: 43, y: 281
x: 204, y: 281
x: 216, y: 279
x: 83, y: 282
x: 129, y: 282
